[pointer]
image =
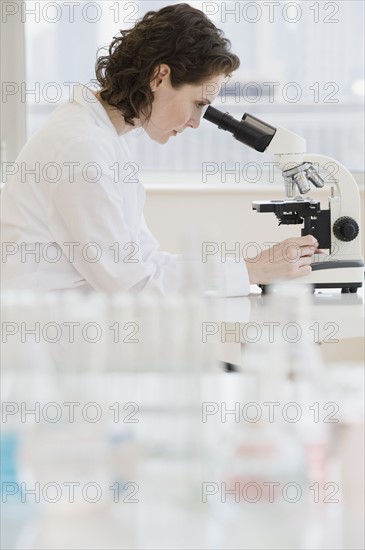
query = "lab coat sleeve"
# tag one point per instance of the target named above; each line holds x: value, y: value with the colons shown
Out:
x: 100, y: 228
x: 96, y: 228
x: 231, y: 277
x: 234, y: 280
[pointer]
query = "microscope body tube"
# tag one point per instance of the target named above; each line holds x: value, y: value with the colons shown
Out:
x: 286, y: 147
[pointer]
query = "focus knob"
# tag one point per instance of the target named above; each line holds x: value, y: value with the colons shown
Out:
x: 346, y: 229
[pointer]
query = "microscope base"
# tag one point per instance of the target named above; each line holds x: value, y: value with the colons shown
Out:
x: 346, y: 288
x: 349, y: 279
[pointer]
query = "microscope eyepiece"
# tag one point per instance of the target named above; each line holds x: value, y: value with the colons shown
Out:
x: 224, y: 121
x: 251, y: 131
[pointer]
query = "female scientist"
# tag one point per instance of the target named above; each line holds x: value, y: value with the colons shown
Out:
x: 73, y: 211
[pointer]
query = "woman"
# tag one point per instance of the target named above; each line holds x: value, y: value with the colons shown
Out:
x: 73, y: 212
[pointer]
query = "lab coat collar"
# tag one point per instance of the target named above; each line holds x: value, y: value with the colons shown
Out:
x: 85, y: 97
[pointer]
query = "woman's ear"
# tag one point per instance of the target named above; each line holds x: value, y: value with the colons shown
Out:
x: 161, y: 74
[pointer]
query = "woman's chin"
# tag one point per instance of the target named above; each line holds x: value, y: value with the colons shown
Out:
x: 161, y: 139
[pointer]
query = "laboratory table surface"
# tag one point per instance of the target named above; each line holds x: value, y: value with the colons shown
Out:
x: 329, y: 315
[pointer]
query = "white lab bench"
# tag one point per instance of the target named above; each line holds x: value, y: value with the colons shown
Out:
x: 335, y: 321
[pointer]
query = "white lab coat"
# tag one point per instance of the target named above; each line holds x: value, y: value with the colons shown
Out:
x: 73, y: 213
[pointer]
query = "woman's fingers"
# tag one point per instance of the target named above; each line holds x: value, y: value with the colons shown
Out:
x: 305, y: 260
x: 307, y: 240
x: 308, y: 250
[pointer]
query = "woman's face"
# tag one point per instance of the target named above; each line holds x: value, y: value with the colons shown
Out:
x: 174, y: 110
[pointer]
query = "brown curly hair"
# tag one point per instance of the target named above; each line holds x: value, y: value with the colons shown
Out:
x: 178, y: 35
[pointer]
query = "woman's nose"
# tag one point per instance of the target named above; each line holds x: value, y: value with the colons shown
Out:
x: 194, y: 121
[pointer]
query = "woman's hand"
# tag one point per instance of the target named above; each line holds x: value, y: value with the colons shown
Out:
x: 289, y: 259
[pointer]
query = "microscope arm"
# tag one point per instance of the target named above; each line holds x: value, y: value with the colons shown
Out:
x: 344, y: 203
x: 347, y: 191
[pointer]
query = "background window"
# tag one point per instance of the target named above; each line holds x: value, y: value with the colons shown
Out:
x: 302, y: 67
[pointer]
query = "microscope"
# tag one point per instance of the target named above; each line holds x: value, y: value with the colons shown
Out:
x: 335, y: 228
